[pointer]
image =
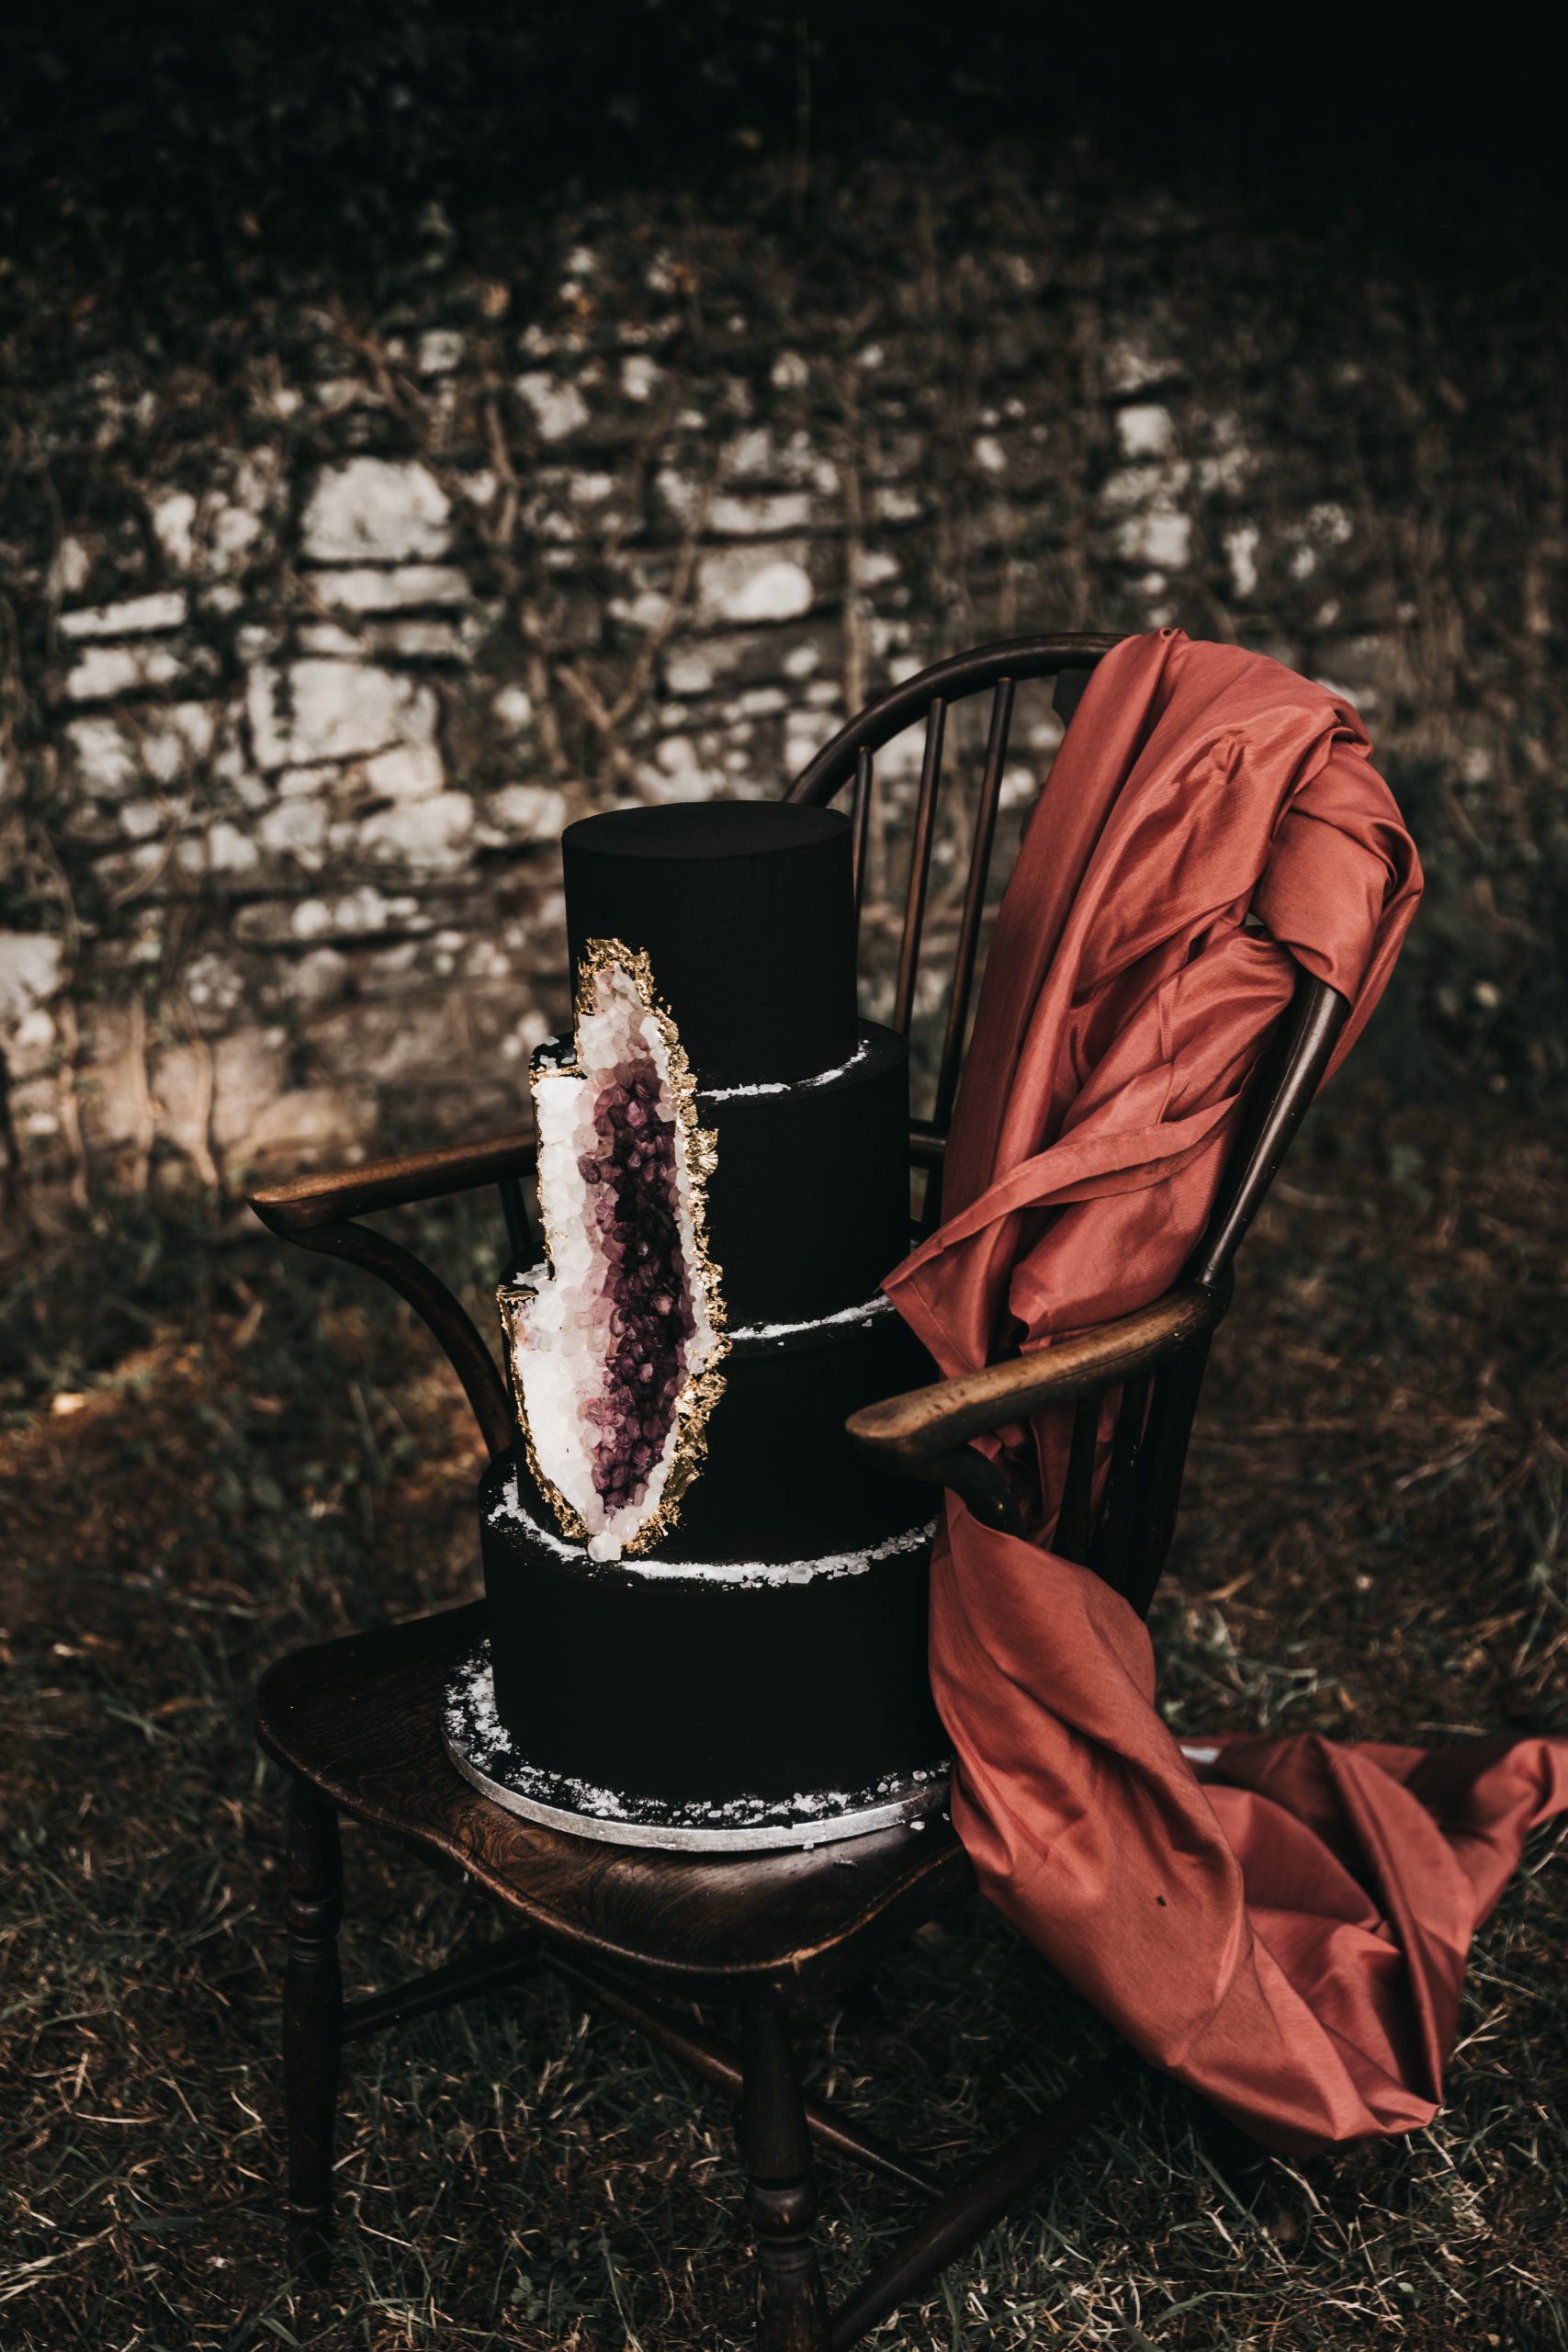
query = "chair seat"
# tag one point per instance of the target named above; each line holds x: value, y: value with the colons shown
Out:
x: 360, y: 1719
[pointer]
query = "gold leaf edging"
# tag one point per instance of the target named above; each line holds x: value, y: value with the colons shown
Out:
x: 700, y: 1391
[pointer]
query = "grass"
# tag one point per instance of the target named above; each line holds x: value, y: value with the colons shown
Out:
x: 213, y: 1451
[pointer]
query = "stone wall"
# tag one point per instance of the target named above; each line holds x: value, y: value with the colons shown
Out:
x: 328, y: 622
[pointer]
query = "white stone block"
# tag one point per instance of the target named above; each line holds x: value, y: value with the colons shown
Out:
x: 1130, y: 487
x: 318, y: 978
x: 753, y: 584
x: 72, y: 567
x: 327, y: 639
x: 1146, y: 430
x: 103, y: 756
x: 383, y: 509
x: 29, y: 1049
x: 431, y: 835
x: 232, y: 531
x: 214, y: 986
x: 745, y: 518
x: 1242, y: 544
x: 758, y: 454
x: 1130, y: 364
x: 1160, y: 538
x: 412, y: 586
x: 690, y: 672
x: 418, y: 640
x: 875, y: 565
x: 334, y: 710
x: 349, y: 916
x: 440, y: 350
x: 140, y: 818
x: 132, y: 618
x: 174, y: 740
x: 173, y: 527
x: 106, y: 670
x: 640, y: 377
x: 296, y: 829
x: 557, y: 407
x: 29, y: 972
x: 681, y: 494
x: 895, y: 505
x: 298, y: 784
x: 648, y: 610
x: 1331, y: 523
x: 531, y: 812
x: 230, y: 851
x: 407, y: 772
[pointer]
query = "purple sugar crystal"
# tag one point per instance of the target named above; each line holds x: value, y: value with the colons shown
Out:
x: 631, y: 1174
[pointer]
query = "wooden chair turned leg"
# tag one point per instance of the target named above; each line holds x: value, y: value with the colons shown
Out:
x: 776, y: 2148
x: 312, y: 2025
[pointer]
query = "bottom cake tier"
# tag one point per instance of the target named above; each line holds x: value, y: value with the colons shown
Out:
x: 713, y: 1705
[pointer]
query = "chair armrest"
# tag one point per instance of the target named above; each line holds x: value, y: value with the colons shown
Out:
x: 318, y: 1212
x: 305, y: 1201
x: 918, y: 1434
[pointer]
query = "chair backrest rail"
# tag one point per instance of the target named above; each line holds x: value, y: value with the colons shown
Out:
x: 860, y: 820
x: 982, y: 842
x: 919, y: 867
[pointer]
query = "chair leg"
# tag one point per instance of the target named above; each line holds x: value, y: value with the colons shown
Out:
x: 776, y: 2148
x: 312, y: 2025
x: 860, y: 2009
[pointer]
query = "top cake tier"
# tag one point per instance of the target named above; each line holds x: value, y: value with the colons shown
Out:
x: 745, y: 910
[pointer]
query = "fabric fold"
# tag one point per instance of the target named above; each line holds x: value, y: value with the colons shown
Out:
x: 1282, y: 1924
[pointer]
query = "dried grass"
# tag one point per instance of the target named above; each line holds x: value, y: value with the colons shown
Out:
x: 260, y: 1452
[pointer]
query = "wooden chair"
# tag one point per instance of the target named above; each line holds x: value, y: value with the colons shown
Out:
x: 355, y: 1723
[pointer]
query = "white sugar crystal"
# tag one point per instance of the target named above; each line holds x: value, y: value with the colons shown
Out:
x: 864, y: 1313
x: 786, y: 1085
x: 509, y: 1504
x: 564, y: 1336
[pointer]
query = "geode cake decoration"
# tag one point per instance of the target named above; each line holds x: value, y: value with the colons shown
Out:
x: 614, y: 1348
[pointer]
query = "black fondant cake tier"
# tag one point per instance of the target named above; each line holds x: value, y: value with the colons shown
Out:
x: 682, y: 1692
x: 808, y: 1203
x: 707, y: 1614
x: 745, y: 911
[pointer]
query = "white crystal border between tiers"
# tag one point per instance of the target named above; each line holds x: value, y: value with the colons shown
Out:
x: 508, y: 1504
x: 553, y: 1401
x: 786, y: 1085
x: 867, y: 1311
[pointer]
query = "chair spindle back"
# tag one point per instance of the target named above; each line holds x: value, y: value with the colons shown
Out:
x: 1123, y: 1486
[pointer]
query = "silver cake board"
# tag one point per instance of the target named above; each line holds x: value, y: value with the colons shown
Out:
x: 487, y: 1755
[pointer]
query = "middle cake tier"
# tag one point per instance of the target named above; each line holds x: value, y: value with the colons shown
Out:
x: 808, y: 1203
x: 780, y: 1479
x: 808, y: 1198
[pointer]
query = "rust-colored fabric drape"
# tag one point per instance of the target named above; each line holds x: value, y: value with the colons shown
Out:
x: 1282, y: 1924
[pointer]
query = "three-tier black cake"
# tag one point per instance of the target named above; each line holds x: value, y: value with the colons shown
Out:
x: 707, y: 1614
